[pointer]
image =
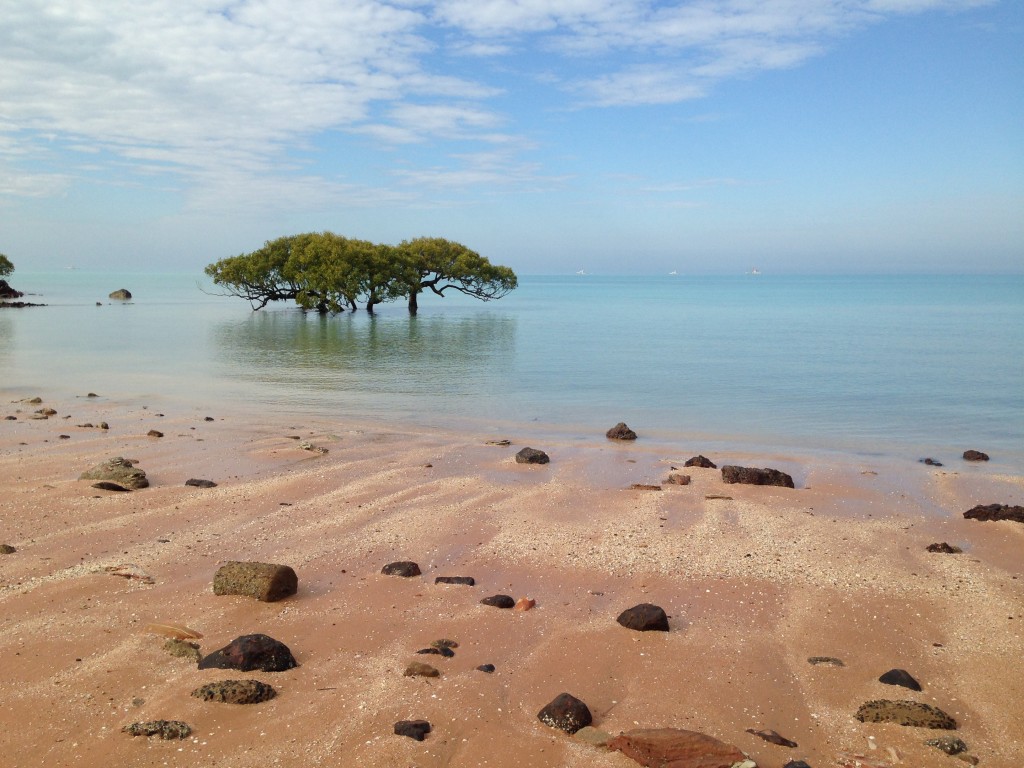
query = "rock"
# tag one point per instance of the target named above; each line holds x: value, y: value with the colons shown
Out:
x: 444, y: 644
x: 250, y: 652
x: 103, y: 425
x: 154, y: 433
x: 6, y: 292
x: 567, y: 713
x: 307, y: 446
x: 235, y: 692
x: 973, y: 455
x: 620, y: 432
x: 795, y: 764
x: 129, y: 571
x: 194, y: 483
x: 404, y: 568
x: 995, y: 512
x: 701, y: 461
x: 117, y: 470
x: 106, y: 485
x: 468, y: 581
x: 676, y: 748
x: 593, y: 736
x: 419, y: 669
x: 931, y: 462
x: 47, y: 412
x: 951, y: 745
x: 446, y: 652
x: 524, y: 604
x: 900, y: 677
x: 754, y: 476
x: 183, y: 649
x: 499, y: 443
x: 266, y: 582
x: 644, y: 487
x: 7, y: 549
x: 499, y: 601
x: 677, y: 478
x: 644, y: 617
x: 773, y: 737
x: 910, y: 713
x: 488, y: 668
x: 830, y: 661
x: 165, y: 729
x: 532, y: 456
x: 122, y: 294
x: 414, y: 729
x: 944, y: 548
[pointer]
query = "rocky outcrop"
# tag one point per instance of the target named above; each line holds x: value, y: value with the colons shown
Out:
x: 972, y: 455
x: 676, y: 748
x: 701, y: 461
x: 121, y: 294
x: 266, y: 582
x: 995, y: 512
x: 755, y: 476
x: 165, y: 729
x: 910, y: 713
x: 405, y: 568
x: 532, y: 456
x: 620, y: 432
x: 119, y: 471
x: 6, y: 292
x: 235, y: 692
x: 567, y: 713
x: 645, y: 617
x: 250, y: 652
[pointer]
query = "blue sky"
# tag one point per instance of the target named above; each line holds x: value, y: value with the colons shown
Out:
x: 615, y: 136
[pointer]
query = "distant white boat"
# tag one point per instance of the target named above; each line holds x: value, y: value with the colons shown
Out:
x: 580, y: 272
x: 754, y: 271
x: 673, y: 272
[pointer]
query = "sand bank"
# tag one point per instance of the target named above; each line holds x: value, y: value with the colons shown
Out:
x: 753, y: 584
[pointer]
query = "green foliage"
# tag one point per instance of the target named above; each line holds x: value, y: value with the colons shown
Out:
x: 6, y: 267
x: 326, y: 272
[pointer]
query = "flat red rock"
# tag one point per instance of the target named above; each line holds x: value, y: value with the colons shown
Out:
x: 675, y: 748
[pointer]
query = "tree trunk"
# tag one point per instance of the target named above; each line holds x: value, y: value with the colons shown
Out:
x: 413, y: 304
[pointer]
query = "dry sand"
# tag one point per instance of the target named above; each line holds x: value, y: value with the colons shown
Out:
x: 754, y: 585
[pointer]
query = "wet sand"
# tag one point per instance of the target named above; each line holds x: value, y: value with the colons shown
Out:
x: 753, y: 585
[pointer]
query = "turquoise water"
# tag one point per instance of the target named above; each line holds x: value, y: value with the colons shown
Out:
x: 863, y: 365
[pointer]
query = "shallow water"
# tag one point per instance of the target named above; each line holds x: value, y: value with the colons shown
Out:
x: 862, y: 365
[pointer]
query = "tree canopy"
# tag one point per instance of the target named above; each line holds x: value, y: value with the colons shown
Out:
x: 6, y: 267
x: 327, y: 272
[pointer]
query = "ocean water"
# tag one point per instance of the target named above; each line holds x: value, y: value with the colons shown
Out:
x: 884, y: 366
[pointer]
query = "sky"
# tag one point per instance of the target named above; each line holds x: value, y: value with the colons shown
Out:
x: 613, y: 136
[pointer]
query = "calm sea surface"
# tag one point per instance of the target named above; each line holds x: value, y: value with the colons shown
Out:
x: 861, y: 365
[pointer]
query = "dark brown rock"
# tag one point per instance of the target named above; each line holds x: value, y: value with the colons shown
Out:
x: 488, y: 668
x: 532, y: 456
x: 165, y: 729
x: 468, y: 581
x: 445, y: 652
x: 795, y: 764
x: 774, y: 737
x: 117, y: 470
x: 900, y: 677
x: 405, y: 568
x: 701, y: 461
x: 414, y: 729
x: 644, y: 617
x: 250, y: 652
x: 829, y: 661
x: 995, y: 512
x: 7, y: 549
x: 931, y: 462
x: 154, y: 433
x: 499, y: 601
x: 910, y: 713
x: 235, y: 692
x: 675, y: 748
x: 567, y: 713
x: 266, y: 582
x: 106, y: 485
x: 944, y: 548
x: 973, y: 455
x: 755, y: 476
x: 194, y: 483
x: 620, y: 432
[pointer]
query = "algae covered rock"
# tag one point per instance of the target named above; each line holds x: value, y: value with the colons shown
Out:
x: 264, y: 581
x: 117, y: 470
x: 910, y: 713
x: 165, y: 729
x: 235, y: 692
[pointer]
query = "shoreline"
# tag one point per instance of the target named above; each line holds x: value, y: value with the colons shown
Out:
x: 753, y: 585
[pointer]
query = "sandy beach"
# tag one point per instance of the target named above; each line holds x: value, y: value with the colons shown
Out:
x: 753, y: 584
